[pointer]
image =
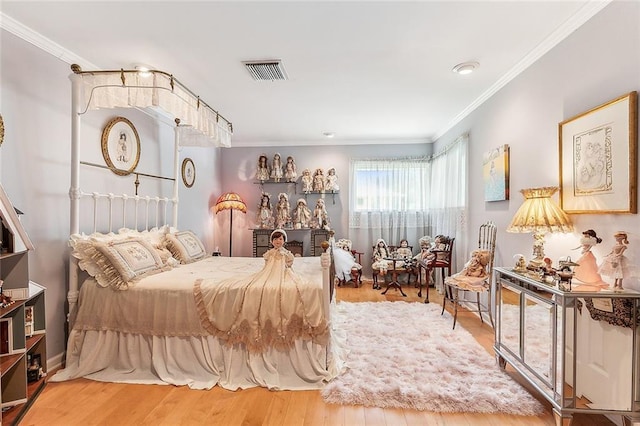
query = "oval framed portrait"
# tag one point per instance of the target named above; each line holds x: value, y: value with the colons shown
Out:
x: 1, y: 130
x: 121, y: 146
x: 188, y: 172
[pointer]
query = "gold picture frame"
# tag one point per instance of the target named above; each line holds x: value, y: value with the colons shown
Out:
x: 188, y: 172
x: 598, y: 158
x: 121, y: 146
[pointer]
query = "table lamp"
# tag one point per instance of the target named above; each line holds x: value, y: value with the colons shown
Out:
x: 230, y: 201
x: 539, y: 214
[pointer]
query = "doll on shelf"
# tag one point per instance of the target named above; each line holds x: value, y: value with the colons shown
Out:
x: 307, y: 181
x: 290, y: 170
x: 587, y: 269
x: 331, y: 183
x: 318, y: 180
x: 262, y: 173
x: 320, y: 215
x: 301, y: 215
x: 616, y: 264
x: 276, y: 168
x: 283, y: 215
x: 265, y: 214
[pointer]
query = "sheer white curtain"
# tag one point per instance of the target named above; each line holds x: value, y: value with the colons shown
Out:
x: 408, y: 198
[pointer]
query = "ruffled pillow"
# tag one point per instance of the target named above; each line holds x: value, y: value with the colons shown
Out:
x: 185, y: 246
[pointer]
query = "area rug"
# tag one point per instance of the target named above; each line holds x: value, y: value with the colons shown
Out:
x: 406, y: 355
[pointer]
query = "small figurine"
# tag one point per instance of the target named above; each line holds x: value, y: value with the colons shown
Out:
x: 331, y: 184
x: 265, y: 214
x: 521, y: 263
x: 320, y: 215
x: 307, y: 181
x: 616, y: 264
x: 283, y: 215
x: 301, y: 215
x: 290, y: 171
x: 404, y: 252
x: 318, y: 180
x: 276, y: 168
x: 587, y: 269
x: 262, y: 173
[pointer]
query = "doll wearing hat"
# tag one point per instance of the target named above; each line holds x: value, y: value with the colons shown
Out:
x: 279, y: 253
x: 587, y: 269
x: 616, y: 264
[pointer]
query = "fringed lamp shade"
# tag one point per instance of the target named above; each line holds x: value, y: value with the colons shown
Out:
x: 539, y: 214
x: 230, y: 201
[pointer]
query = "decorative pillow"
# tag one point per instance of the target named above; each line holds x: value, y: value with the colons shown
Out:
x: 83, y: 249
x: 185, y: 246
x: 124, y: 262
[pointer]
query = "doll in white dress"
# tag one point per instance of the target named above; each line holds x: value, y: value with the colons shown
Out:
x: 616, y: 264
x: 380, y: 254
x: 331, y: 184
x: 283, y: 213
x: 404, y: 252
x: 320, y: 215
x: 301, y: 215
x: 318, y: 180
x: 262, y: 173
x: 276, y: 168
x: 265, y: 214
x: 290, y: 171
x: 307, y: 181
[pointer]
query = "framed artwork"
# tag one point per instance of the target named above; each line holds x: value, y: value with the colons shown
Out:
x: 1, y: 130
x: 598, y: 158
x: 188, y: 172
x: 121, y: 146
x: 495, y: 173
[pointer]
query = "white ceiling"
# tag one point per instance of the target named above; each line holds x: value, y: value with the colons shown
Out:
x: 370, y: 71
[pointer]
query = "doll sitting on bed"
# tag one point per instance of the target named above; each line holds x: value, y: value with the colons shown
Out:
x: 278, y: 253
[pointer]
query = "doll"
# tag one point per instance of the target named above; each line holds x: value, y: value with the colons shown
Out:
x: 276, y: 168
x: 265, y: 214
x: 587, y: 269
x: 318, y: 180
x: 616, y: 264
x: 262, y: 172
x: 320, y: 215
x: 380, y: 256
x: 331, y: 184
x: 473, y: 275
x: 345, y: 262
x: 301, y: 214
x: 283, y: 215
x: 290, y: 171
x: 425, y: 245
x: 404, y: 252
x: 307, y: 181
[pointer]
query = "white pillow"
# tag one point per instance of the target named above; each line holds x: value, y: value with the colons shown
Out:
x: 185, y: 246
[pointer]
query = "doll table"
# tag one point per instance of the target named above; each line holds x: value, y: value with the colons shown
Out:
x: 395, y: 270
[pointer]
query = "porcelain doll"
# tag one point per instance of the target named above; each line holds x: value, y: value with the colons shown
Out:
x: 290, y: 171
x: 425, y: 245
x: 331, y: 183
x: 276, y: 168
x: 307, y: 181
x: 473, y: 275
x: 283, y: 215
x: 301, y: 214
x: 262, y: 173
x: 587, y: 269
x: 320, y: 215
x: 265, y: 214
x: 345, y: 261
x: 318, y: 180
x: 380, y: 255
x: 616, y: 264
x: 404, y: 252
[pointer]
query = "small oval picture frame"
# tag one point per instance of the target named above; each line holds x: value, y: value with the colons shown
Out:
x: 1, y: 130
x: 188, y: 172
x: 121, y: 146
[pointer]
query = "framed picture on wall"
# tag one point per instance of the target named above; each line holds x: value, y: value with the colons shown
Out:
x: 121, y: 146
x: 495, y: 173
x: 598, y: 158
x: 188, y: 172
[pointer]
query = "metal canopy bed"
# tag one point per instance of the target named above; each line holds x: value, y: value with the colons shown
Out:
x: 162, y: 319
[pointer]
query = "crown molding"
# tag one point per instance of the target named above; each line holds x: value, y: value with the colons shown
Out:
x: 583, y: 15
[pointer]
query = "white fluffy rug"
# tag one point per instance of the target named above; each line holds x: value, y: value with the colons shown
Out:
x: 406, y: 355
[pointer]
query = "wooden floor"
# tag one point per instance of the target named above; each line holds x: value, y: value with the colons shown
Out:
x: 86, y: 402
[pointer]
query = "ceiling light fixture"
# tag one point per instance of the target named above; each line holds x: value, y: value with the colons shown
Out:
x: 143, y: 70
x: 465, y: 68
x: 328, y: 134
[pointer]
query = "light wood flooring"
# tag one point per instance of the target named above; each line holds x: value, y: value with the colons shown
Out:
x: 86, y: 402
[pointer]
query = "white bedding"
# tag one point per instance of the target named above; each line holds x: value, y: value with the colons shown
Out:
x: 151, y: 333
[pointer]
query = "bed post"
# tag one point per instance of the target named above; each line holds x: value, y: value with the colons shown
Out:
x: 176, y: 171
x: 74, y: 190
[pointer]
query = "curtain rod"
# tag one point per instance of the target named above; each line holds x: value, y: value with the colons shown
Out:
x: 77, y: 69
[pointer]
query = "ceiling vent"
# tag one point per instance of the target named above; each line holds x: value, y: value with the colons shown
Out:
x: 269, y: 70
